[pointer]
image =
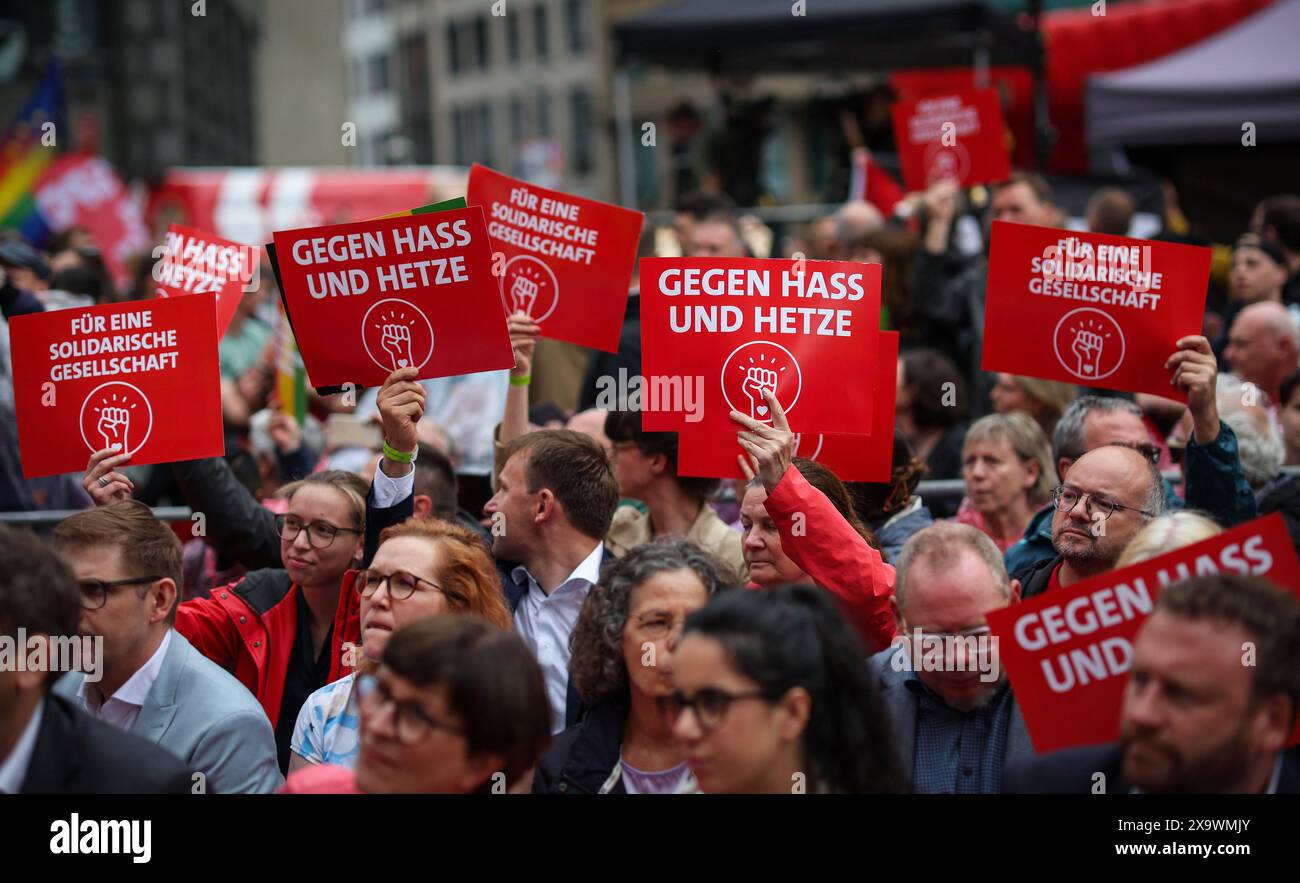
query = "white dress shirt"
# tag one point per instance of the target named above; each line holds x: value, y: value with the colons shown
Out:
x: 389, y: 490
x: 14, y: 768
x: 123, y: 707
x: 544, y: 622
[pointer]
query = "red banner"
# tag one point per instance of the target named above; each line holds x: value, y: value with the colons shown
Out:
x: 851, y: 457
x: 565, y: 261
x: 1068, y: 652
x: 716, y: 331
x: 959, y: 137
x: 1090, y: 309
x: 195, y: 262
x: 368, y: 298
x: 142, y: 375
x: 79, y: 190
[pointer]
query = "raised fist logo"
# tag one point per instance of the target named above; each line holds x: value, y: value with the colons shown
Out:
x: 529, y: 286
x: 756, y: 380
x: 113, y: 424
x: 116, y: 415
x: 757, y: 366
x: 397, y: 334
x: 396, y: 341
x: 523, y: 292
x: 1088, y: 343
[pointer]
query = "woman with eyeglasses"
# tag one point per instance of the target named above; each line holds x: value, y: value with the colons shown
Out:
x: 282, y: 632
x: 456, y: 706
x: 772, y: 695
x: 621, y: 667
x: 421, y: 569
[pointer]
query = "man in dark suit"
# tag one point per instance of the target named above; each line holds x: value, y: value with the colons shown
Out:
x: 47, y: 746
x: 1210, y: 703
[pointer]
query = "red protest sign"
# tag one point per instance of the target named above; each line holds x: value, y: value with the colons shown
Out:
x: 371, y: 297
x: 142, y: 375
x: 851, y: 457
x: 716, y: 331
x: 1090, y: 309
x: 565, y: 261
x: 960, y: 137
x: 196, y: 262
x: 1068, y: 653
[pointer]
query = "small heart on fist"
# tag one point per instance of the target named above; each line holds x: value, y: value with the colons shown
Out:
x: 401, y: 363
x: 762, y: 410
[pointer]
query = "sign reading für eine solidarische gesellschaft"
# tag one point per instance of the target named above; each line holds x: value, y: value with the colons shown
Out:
x: 369, y: 298
x: 141, y: 377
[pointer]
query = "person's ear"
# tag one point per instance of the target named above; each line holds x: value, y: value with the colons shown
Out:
x: 1273, y: 723
x: 1063, y: 465
x: 1032, y: 471
x: 899, y: 622
x: 545, y: 506
x: 423, y: 504
x: 659, y: 464
x: 1015, y: 591
x: 796, y: 709
x: 163, y: 597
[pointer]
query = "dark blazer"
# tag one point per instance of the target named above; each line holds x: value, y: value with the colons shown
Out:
x: 76, y: 754
x: 1074, y: 771
x: 580, y: 760
x: 900, y: 703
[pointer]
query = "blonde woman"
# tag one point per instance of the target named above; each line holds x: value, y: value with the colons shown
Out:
x: 1007, y: 467
x: 1167, y: 533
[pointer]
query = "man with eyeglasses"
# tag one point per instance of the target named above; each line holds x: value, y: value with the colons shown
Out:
x: 155, y: 683
x: 47, y: 744
x: 1213, y: 479
x: 1108, y: 495
x: 956, y: 724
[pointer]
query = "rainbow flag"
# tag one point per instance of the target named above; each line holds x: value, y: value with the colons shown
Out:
x: 24, y: 157
x: 290, y: 375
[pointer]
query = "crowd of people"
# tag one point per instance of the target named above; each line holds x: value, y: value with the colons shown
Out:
x: 486, y: 584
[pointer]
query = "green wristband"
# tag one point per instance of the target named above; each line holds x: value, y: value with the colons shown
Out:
x: 393, y: 454
x: 522, y: 380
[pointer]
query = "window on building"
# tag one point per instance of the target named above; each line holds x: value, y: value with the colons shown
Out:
x: 453, y: 49
x: 482, y: 54
x: 582, y: 133
x: 575, y: 24
x: 487, y: 137
x: 379, y: 73
x: 541, y: 36
x: 543, y: 115
x: 513, y: 51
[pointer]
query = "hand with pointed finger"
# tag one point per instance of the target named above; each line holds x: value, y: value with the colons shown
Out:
x: 102, y: 482
x: 772, y: 447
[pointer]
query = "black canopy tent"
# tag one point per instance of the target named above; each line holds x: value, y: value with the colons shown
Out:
x: 752, y: 36
x: 764, y: 35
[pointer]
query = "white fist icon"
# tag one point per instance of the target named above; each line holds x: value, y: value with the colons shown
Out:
x: 1087, y: 351
x: 756, y: 380
x: 397, y: 343
x: 524, y: 294
x: 113, y: 425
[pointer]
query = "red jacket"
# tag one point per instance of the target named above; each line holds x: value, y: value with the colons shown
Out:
x: 248, y: 628
x: 836, y: 556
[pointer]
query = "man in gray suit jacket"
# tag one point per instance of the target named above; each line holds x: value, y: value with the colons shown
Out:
x: 150, y: 680
x: 956, y: 723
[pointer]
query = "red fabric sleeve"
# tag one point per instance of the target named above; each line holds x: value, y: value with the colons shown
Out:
x: 836, y: 556
x: 208, y: 626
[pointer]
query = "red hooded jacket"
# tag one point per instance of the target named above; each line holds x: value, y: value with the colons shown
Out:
x: 828, y: 549
x: 248, y: 628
